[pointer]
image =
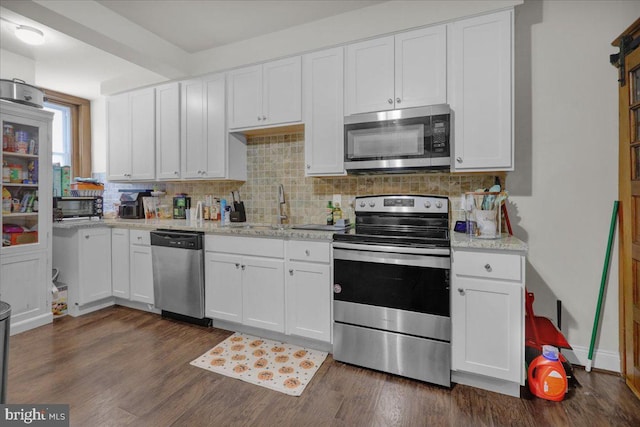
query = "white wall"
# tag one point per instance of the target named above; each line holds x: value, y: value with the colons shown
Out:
x: 16, y: 66
x: 566, y: 176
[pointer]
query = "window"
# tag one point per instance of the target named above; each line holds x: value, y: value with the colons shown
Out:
x: 71, y: 131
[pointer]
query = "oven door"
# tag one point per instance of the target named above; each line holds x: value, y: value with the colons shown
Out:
x: 399, y: 289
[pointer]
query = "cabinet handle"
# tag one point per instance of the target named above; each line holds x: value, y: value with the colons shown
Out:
x: 390, y: 100
x: 307, y: 252
x: 487, y: 267
x: 86, y: 237
x: 237, y: 265
x: 139, y: 237
x: 259, y: 118
x: 264, y: 117
x: 459, y: 159
x: 291, y: 271
x: 461, y: 291
x: 175, y: 173
x: 244, y: 266
x: 308, y: 166
x: 398, y: 100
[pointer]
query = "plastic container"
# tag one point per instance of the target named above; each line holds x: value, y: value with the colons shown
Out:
x: 547, y: 377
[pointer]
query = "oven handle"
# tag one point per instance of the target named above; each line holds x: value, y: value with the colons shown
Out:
x: 394, y: 249
x: 442, y: 262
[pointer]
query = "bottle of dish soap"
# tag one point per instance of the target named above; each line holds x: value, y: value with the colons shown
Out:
x: 329, y: 213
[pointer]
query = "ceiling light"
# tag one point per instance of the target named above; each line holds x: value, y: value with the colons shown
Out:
x: 30, y: 35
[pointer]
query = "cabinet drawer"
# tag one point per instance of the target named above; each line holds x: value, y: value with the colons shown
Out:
x: 140, y: 237
x: 253, y: 246
x: 490, y: 265
x: 302, y: 250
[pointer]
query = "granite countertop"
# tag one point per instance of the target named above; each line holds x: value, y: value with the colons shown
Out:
x: 505, y: 243
x: 208, y: 227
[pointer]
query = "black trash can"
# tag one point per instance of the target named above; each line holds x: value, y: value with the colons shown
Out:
x: 5, y: 323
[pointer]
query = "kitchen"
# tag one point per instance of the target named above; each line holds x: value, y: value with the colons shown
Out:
x: 534, y: 220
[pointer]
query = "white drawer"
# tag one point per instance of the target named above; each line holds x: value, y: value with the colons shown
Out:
x: 487, y: 264
x: 304, y: 250
x: 253, y: 246
x: 139, y: 237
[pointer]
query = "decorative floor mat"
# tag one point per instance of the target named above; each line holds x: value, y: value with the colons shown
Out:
x: 279, y: 366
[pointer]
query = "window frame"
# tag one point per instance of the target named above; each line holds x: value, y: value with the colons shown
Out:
x: 80, y: 131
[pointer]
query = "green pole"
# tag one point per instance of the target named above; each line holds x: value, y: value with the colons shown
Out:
x: 603, y: 281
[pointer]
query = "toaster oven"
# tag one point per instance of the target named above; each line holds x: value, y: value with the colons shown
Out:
x: 78, y: 207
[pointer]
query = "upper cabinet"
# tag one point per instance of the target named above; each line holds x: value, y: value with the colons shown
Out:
x: 131, y: 136
x: 265, y: 95
x: 401, y: 71
x: 481, y: 92
x: 168, y: 131
x: 323, y: 81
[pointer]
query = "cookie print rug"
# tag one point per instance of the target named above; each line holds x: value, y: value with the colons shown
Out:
x: 272, y: 364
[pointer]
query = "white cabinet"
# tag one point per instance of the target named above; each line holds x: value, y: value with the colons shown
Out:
x: 481, y: 92
x: 207, y: 150
x: 266, y: 94
x: 402, y: 71
x: 487, y: 318
x: 309, y: 290
x: 131, y: 136
x: 83, y: 257
x: 140, y: 267
x: 120, y: 263
x: 168, y: 131
x: 323, y: 85
x: 24, y: 286
x: 25, y: 257
x: 244, y: 281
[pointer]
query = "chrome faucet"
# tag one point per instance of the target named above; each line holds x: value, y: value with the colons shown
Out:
x: 281, y: 202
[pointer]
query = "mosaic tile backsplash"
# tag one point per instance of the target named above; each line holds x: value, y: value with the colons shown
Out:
x: 279, y: 159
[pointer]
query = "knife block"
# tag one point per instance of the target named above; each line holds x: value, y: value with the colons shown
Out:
x: 238, y: 215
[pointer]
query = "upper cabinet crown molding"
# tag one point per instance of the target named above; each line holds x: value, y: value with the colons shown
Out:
x: 266, y: 94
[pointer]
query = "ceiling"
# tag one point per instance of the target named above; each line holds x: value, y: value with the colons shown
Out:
x: 94, y: 45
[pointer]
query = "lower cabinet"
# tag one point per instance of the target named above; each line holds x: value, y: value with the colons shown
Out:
x: 487, y: 318
x: 308, y: 289
x: 140, y: 267
x: 25, y: 285
x: 83, y: 257
x: 244, y: 281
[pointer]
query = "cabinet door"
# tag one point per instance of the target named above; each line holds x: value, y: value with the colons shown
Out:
x: 421, y: 67
x: 94, y: 264
x: 193, y: 136
x: 120, y: 263
x: 216, y: 125
x: 223, y: 287
x: 245, y: 97
x: 25, y: 285
x: 143, y: 131
x: 370, y: 76
x: 481, y: 85
x: 118, y: 138
x: 282, y: 91
x: 168, y: 131
x: 487, y: 320
x: 141, y: 274
x: 263, y: 293
x: 324, y: 112
x: 309, y: 300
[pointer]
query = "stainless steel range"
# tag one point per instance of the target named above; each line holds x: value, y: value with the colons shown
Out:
x: 391, y: 288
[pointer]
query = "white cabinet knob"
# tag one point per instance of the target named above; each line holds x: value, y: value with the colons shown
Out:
x: 487, y: 267
x: 390, y: 100
x: 237, y: 265
x: 264, y: 117
x: 459, y: 159
x: 86, y: 237
x: 398, y: 100
x: 291, y: 271
x: 308, y: 166
x: 461, y: 291
x: 176, y: 173
x: 307, y: 252
x: 259, y: 118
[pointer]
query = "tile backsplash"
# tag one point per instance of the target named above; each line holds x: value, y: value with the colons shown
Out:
x: 279, y: 159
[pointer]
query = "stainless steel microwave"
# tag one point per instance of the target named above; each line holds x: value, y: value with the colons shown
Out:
x: 77, y: 207
x: 400, y: 141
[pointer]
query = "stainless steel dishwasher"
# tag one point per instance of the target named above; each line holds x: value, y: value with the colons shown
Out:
x: 178, y: 274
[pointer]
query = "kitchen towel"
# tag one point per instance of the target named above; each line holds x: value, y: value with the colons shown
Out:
x: 272, y: 364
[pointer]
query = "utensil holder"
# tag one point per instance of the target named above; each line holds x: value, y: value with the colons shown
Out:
x: 483, y: 215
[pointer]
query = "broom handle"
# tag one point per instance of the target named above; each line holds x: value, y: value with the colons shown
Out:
x: 605, y: 269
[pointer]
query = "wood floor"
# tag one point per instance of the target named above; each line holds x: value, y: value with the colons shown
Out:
x: 123, y: 367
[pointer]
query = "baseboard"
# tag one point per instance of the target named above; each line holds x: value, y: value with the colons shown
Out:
x: 602, y: 359
x: 137, y: 305
x: 79, y: 310
x: 32, y: 323
x: 486, y: 383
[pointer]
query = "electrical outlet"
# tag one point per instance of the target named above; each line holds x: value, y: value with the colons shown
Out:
x: 337, y: 198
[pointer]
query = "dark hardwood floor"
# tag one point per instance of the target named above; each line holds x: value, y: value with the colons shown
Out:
x: 123, y: 367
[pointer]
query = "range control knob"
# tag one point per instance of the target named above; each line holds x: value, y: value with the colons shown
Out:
x: 363, y: 204
x: 438, y: 204
x: 427, y: 204
x: 372, y: 204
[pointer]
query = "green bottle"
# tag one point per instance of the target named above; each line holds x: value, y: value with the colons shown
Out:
x: 329, y: 213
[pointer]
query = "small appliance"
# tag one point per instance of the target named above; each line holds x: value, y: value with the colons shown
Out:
x: 131, y: 203
x: 181, y: 205
x: 77, y: 207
